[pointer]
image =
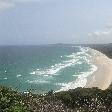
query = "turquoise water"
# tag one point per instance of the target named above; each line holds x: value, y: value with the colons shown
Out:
x: 42, y: 68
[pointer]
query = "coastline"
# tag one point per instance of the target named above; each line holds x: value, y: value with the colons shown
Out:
x: 102, y: 77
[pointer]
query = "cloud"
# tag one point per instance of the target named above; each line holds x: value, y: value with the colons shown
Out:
x: 107, y: 32
x: 7, y: 4
x: 105, y: 35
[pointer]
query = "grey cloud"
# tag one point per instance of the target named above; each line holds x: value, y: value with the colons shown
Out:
x: 107, y: 32
x: 105, y: 35
x: 6, y: 5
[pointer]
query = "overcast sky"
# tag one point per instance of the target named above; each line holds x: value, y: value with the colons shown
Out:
x: 55, y: 21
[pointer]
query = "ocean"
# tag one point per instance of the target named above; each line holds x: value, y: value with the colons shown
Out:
x: 43, y: 68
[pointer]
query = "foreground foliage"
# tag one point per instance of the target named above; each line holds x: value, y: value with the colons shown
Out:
x: 11, y: 101
x: 77, y: 100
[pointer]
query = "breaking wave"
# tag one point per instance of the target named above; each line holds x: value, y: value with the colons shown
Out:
x: 74, y: 59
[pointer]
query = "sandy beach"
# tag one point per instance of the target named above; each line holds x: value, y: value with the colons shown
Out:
x: 101, y: 78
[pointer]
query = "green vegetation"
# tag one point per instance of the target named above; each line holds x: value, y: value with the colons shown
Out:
x: 104, y: 48
x: 87, y: 99
x: 11, y: 101
x: 77, y: 100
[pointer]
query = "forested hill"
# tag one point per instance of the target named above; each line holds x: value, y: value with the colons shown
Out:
x: 104, y: 48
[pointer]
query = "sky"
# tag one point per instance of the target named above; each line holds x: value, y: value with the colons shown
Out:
x: 35, y: 22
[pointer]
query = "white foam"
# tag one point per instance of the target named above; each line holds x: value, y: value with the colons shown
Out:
x: 54, y: 69
x: 82, y: 78
x: 5, y: 78
x: 25, y: 92
x: 46, y: 75
x: 79, y: 82
x: 33, y: 73
x: 75, y: 75
x: 79, y: 62
x: 72, y: 59
x: 36, y: 81
x: 19, y: 75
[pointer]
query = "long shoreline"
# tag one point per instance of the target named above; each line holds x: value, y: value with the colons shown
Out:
x: 101, y: 78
